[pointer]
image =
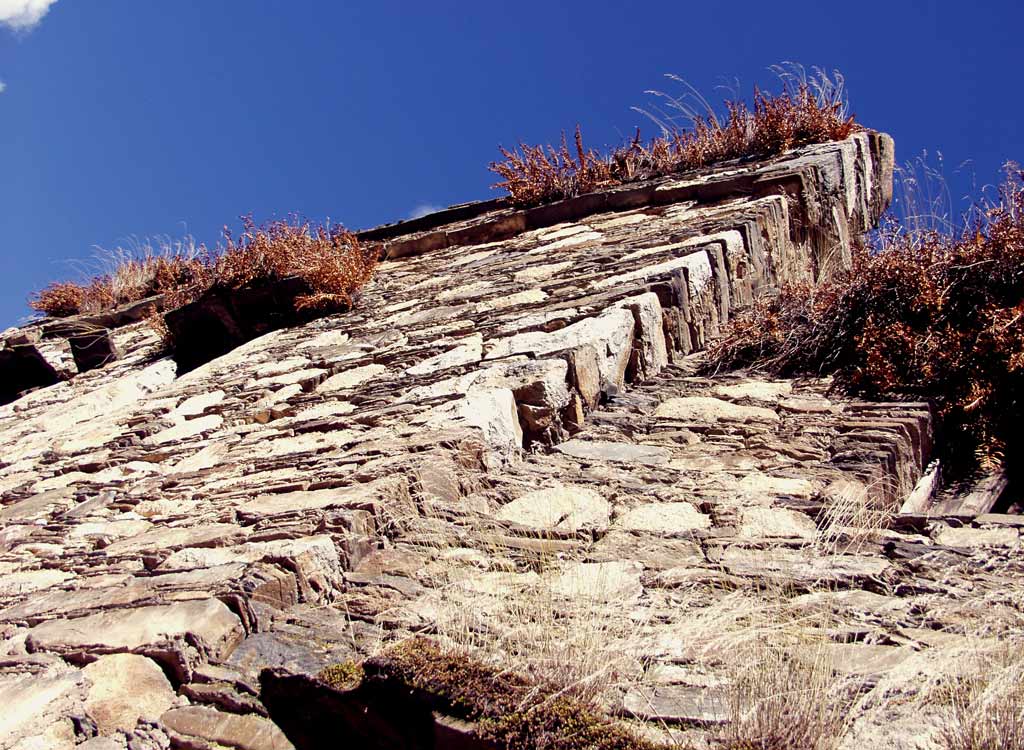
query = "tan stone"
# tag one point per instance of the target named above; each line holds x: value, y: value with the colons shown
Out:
x: 665, y: 518
x: 211, y: 729
x: 128, y: 629
x: 564, y: 507
x: 123, y: 689
x: 710, y: 410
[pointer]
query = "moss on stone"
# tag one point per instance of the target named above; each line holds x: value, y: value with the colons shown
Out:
x: 509, y: 710
x: 341, y: 676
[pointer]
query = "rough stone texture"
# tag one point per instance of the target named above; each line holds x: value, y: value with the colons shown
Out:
x: 507, y: 423
x: 124, y: 688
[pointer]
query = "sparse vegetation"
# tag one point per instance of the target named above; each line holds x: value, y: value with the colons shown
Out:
x: 923, y: 315
x: 342, y: 675
x: 986, y: 702
x: 806, y: 111
x: 511, y: 711
x: 786, y: 699
x: 329, y: 259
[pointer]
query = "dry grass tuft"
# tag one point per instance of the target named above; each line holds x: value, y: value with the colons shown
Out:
x: 786, y: 699
x: 923, y: 316
x: 853, y: 516
x: 804, y: 112
x: 329, y: 259
x: 987, y: 702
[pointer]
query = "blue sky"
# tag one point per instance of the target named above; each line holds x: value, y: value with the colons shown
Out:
x: 129, y: 118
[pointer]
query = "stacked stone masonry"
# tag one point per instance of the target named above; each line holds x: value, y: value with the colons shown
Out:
x: 510, y: 415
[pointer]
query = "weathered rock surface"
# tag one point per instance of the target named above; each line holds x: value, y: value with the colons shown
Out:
x: 504, y: 437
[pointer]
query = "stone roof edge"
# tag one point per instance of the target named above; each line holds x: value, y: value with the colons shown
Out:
x: 496, y: 219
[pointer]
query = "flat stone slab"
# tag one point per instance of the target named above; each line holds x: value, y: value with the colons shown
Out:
x: 756, y: 390
x: 664, y: 518
x: 803, y: 566
x: 599, y: 450
x: 864, y: 660
x: 124, y: 688
x: 208, y: 535
x: 603, y: 581
x: 776, y: 522
x: 33, y: 703
x: 213, y: 728
x: 130, y: 629
x: 708, y: 410
x: 968, y: 538
x: 563, y: 507
x: 677, y: 704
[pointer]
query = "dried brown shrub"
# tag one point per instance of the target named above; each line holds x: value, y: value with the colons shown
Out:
x: 799, y: 115
x: 922, y: 316
x: 329, y: 259
x: 60, y: 299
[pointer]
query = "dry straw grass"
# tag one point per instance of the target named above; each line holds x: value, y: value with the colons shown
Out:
x: 328, y: 258
x: 853, y: 516
x: 786, y: 699
x: 783, y: 692
x: 581, y: 646
x: 986, y: 701
x: 805, y: 111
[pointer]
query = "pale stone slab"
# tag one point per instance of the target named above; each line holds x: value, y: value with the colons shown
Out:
x: 351, y: 378
x: 611, y: 335
x: 197, y: 404
x: 776, y: 522
x: 967, y: 537
x: 200, y: 726
x: 759, y: 485
x: 129, y: 629
x: 31, y: 703
x: 186, y: 429
x: 468, y: 351
x: 600, y: 581
x: 172, y: 538
x: 26, y: 581
x: 709, y: 410
x: 565, y: 507
x: 664, y: 518
x: 620, y: 452
x: 756, y: 390
x: 123, y: 689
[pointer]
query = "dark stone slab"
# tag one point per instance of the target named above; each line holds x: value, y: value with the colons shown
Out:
x: 23, y: 368
x: 92, y: 347
x: 222, y: 319
x: 378, y: 714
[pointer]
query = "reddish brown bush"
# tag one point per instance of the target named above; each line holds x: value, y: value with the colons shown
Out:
x: 798, y: 116
x: 922, y: 316
x: 330, y: 260
x: 59, y: 299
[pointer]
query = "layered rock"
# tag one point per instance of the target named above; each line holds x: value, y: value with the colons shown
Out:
x: 508, y: 419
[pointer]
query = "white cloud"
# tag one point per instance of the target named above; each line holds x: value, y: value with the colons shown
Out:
x: 421, y: 210
x: 22, y: 15
x: 3, y: 86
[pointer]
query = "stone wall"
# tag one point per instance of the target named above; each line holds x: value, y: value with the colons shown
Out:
x: 509, y: 417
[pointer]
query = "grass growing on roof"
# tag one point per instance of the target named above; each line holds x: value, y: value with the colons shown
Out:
x: 805, y: 111
x: 328, y: 258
